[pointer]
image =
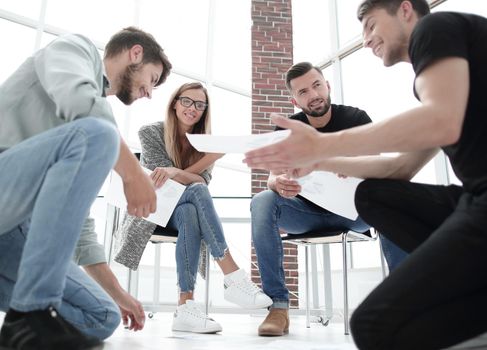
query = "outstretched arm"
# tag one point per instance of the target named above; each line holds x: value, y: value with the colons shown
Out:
x: 403, y: 166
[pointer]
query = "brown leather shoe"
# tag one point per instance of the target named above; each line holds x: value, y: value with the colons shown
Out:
x: 276, y: 323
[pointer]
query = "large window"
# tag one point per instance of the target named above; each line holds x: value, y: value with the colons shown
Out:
x: 21, y: 46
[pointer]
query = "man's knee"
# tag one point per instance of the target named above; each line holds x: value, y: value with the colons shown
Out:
x: 262, y: 202
x: 365, y: 198
x: 361, y: 328
x: 105, y: 322
x: 113, y: 321
x: 103, y: 135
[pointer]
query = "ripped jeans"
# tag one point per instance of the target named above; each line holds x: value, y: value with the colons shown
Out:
x: 196, y: 219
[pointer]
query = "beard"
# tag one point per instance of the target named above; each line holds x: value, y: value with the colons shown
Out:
x: 316, y: 113
x: 126, y: 79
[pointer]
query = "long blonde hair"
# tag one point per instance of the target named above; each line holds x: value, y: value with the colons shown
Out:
x: 172, y: 138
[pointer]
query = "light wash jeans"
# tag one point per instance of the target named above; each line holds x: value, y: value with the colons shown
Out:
x: 195, y: 219
x: 271, y: 212
x: 48, y: 183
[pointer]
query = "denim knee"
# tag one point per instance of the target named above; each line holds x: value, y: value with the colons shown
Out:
x: 107, y: 323
x: 263, y: 203
x: 113, y: 321
x: 262, y: 207
x: 198, y: 189
x: 104, y: 136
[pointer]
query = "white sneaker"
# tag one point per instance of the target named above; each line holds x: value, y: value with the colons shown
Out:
x: 189, y: 318
x: 240, y: 289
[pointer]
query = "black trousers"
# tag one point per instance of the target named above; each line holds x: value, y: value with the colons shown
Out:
x: 438, y: 296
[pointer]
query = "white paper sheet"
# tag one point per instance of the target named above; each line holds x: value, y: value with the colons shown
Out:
x: 331, y: 192
x: 167, y: 198
x: 234, y: 144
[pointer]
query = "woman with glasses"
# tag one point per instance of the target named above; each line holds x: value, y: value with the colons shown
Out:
x: 167, y: 151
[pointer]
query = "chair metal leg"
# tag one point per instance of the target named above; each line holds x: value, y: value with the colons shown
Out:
x: 327, y: 282
x: 133, y: 283
x: 306, y: 258
x: 345, y: 284
x: 157, y: 274
x: 207, y: 282
x: 111, y: 226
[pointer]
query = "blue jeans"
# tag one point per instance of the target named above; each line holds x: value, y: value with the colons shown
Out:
x: 271, y: 212
x: 48, y: 183
x: 393, y: 254
x: 195, y: 219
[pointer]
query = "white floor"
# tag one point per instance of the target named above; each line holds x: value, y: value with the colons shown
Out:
x: 239, y: 332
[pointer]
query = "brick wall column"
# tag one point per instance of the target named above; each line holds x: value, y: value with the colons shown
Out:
x: 272, y: 55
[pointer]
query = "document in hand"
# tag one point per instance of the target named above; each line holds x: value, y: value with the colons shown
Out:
x: 167, y: 198
x: 234, y: 144
x: 331, y: 192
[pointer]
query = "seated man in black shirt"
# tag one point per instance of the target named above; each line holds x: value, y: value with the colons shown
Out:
x: 281, y: 207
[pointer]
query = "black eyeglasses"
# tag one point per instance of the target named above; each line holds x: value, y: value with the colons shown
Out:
x: 187, y: 102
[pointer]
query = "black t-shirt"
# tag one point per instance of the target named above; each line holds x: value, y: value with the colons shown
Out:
x: 342, y: 117
x: 449, y: 34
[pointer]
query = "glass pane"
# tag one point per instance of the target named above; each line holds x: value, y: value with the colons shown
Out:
x: 231, y: 59
x: 329, y: 74
x: 230, y: 115
x: 311, y: 30
x: 98, y: 20
x: 182, y: 30
x: 27, y: 8
x: 46, y: 38
x: 21, y: 39
x: 380, y: 91
x: 230, y: 177
x: 349, y: 28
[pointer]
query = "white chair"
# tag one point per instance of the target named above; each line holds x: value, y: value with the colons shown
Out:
x: 327, y: 237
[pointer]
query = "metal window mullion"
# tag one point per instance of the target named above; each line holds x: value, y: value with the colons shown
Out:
x: 40, y: 25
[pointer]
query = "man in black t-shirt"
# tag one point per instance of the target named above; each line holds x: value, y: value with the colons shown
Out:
x: 281, y: 207
x: 438, y: 296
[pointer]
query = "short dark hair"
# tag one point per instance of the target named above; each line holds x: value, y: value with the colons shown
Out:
x: 298, y: 70
x: 391, y: 6
x: 153, y: 52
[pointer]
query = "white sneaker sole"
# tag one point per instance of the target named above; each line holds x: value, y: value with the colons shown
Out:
x: 207, y: 330
x: 250, y: 306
